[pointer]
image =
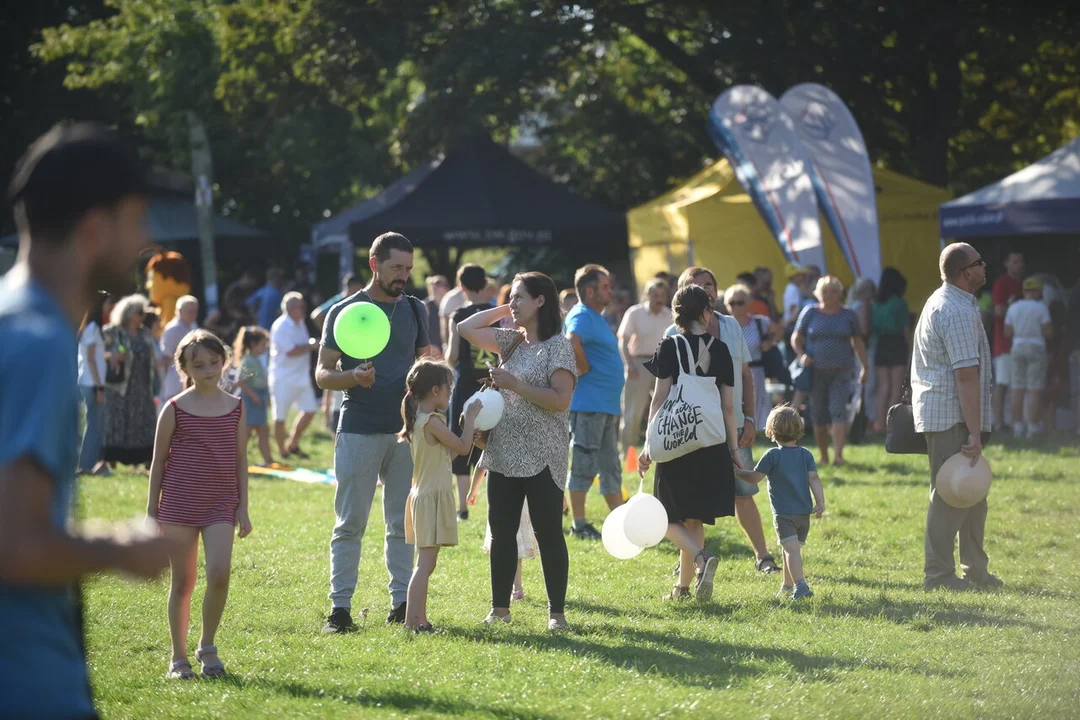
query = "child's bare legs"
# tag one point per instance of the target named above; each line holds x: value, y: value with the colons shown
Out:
x: 793, y: 568
x: 518, y: 587
x: 262, y: 432
x: 416, y: 602
x: 217, y: 551
x: 182, y: 564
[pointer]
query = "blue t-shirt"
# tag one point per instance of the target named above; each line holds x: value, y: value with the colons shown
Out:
x: 600, y: 389
x: 42, y: 670
x: 266, y: 302
x: 788, y: 470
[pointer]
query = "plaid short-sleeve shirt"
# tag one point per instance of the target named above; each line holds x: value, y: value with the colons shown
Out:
x: 948, y: 337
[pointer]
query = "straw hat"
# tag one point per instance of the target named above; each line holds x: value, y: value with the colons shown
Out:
x: 791, y: 270
x: 961, y: 485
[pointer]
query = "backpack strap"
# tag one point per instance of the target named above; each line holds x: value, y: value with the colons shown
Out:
x: 413, y: 302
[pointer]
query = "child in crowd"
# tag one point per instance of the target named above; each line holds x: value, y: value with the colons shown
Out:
x: 792, y: 475
x: 199, y: 485
x: 431, y: 510
x: 253, y: 384
x: 526, y: 539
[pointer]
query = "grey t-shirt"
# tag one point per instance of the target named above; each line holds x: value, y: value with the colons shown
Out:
x: 377, y: 410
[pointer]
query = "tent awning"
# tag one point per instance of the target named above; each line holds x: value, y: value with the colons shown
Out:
x: 478, y: 194
x: 1042, y: 198
x: 172, y: 219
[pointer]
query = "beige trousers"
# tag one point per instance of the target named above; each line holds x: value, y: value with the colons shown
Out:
x: 944, y: 522
x: 637, y: 394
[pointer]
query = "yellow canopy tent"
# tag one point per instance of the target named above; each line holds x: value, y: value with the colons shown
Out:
x: 711, y: 221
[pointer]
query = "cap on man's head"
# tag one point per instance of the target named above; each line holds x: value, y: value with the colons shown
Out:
x: 69, y: 171
x: 1033, y: 283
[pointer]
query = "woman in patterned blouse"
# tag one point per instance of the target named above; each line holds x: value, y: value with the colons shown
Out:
x: 527, y: 452
x: 827, y: 338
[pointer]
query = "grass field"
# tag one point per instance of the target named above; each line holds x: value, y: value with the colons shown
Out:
x: 870, y: 643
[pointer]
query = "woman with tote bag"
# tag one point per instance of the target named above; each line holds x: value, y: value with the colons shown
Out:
x: 693, y: 438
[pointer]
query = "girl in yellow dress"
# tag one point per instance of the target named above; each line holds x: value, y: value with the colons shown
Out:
x: 431, y: 510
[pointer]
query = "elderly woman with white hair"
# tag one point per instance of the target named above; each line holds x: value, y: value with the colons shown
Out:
x: 187, y: 312
x: 827, y: 339
x: 129, y: 385
x: 291, y: 346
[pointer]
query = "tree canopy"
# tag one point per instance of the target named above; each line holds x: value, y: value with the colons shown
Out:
x: 313, y: 104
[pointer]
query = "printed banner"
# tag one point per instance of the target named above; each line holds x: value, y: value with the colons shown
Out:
x: 840, y: 170
x: 759, y: 140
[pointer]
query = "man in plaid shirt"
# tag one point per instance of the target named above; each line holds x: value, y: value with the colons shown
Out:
x: 951, y: 385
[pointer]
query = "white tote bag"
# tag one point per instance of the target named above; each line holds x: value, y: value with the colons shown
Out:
x: 691, y: 418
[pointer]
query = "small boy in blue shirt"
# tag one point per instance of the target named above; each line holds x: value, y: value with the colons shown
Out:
x: 792, y: 475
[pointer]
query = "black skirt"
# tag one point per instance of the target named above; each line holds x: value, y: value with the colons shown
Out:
x: 697, y: 486
x: 891, y: 351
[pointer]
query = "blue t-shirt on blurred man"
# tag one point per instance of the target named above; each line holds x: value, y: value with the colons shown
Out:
x: 600, y: 389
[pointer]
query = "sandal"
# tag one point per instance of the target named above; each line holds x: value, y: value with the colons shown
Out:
x: 678, y: 592
x: 704, y: 587
x: 212, y: 668
x: 557, y: 625
x: 767, y: 565
x: 180, y: 670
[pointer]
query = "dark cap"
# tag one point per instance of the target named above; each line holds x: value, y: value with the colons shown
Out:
x: 70, y: 170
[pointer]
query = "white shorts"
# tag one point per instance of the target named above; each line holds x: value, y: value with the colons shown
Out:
x: 1001, y: 370
x: 283, y: 398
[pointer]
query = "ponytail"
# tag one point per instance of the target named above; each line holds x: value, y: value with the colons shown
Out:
x: 424, y: 376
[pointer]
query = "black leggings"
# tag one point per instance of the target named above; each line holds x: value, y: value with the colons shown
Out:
x: 506, y: 497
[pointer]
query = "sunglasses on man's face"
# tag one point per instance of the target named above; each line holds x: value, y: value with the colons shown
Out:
x: 977, y: 263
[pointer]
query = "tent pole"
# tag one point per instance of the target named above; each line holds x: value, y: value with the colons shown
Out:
x: 202, y: 169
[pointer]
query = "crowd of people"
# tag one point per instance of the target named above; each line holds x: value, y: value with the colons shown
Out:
x: 574, y: 376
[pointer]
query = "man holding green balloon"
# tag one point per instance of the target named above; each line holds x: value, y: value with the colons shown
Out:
x: 369, y: 342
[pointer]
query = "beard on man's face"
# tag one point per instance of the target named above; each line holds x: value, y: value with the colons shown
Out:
x: 393, y: 288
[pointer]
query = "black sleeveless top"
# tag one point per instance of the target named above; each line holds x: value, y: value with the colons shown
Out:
x: 471, y: 365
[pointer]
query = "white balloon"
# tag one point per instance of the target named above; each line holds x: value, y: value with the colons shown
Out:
x: 615, y: 541
x: 646, y: 520
x: 492, y: 410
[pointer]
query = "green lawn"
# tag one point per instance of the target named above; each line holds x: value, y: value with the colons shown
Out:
x: 870, y: 643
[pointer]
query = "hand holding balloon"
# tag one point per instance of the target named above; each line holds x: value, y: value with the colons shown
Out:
x: 364, y: 374
x: 504, y: 379
x: 472, y: 410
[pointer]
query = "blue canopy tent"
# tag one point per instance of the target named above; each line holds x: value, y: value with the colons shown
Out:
x: 1041, y: 199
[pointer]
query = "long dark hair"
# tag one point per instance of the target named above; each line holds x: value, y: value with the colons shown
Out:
x: 690, y: 304
x: 424, y: 376
x: 893, y: 283
x: 549, y: 315
x: 198, y: 338
x: 95, y: 313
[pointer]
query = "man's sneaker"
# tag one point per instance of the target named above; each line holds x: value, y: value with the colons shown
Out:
x: 339, y: 622
x: 585, y: 532
x: 397, y: 615
x: 986, y: 581
x: 949, y: 583
x: 802, y: 592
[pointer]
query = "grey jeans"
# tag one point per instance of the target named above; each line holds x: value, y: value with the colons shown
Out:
x: 359, y: 461
x: 944, y: 522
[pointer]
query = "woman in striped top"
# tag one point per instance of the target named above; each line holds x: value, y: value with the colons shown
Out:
x: 198, y: 484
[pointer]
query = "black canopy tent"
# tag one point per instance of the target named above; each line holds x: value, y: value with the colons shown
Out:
x: 478, y: 195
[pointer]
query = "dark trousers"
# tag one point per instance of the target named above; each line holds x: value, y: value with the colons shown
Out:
x: 506, y: 497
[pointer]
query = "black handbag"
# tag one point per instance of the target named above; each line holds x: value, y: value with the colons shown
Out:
x: 900, y: 435
x: 772, y: 360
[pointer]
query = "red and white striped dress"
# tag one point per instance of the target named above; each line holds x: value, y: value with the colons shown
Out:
x: 200, y: 486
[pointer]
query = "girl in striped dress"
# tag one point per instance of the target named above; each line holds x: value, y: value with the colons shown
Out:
x: 199, y: 485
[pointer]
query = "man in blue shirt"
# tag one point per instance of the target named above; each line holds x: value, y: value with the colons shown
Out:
x: 80, y: 208
x: 595, y: 409
x: 266, y: 301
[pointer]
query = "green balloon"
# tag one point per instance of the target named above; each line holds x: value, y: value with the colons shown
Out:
x: 362, y: 330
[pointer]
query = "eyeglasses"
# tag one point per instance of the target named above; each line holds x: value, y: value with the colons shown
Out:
x: 977, y: 263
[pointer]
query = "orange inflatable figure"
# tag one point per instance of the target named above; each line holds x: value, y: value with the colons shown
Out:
x: 168, y: 278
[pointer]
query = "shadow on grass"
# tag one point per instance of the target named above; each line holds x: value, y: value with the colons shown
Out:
x: 685, y: 660
x: 404, y: 701
x: 905, y: 612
